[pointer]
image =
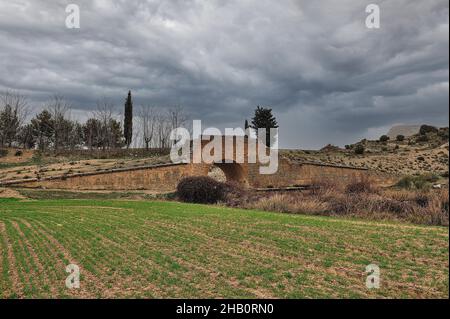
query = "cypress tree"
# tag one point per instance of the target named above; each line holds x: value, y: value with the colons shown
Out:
x: 246, y: 126
x: 128, y: 120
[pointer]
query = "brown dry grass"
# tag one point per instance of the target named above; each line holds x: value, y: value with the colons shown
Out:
x: 358, y: 198
x: 11, y: 158
x: 10, y: 193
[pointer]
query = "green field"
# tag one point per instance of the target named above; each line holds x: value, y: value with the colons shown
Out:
x: 167, y: 249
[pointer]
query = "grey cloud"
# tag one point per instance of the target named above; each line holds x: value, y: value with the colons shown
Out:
x: 327, y: 77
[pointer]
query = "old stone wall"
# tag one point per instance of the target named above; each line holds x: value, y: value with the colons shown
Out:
x: 300, y: 174
x: 158, y: 179
x: 166, y: 177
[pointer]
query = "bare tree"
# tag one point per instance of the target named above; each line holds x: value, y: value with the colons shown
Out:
x: 14, y: 110
x: 104, y: 114
x: 177, y: 116
x: 163, y: 128
x: 147, y: 116
x: 110, y: 134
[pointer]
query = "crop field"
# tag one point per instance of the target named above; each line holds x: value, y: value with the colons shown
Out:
x: 144, y: 249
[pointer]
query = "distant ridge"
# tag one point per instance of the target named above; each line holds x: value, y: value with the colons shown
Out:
x: 405, y: 130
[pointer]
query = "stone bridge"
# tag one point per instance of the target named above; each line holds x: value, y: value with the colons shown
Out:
x: 165, y: 177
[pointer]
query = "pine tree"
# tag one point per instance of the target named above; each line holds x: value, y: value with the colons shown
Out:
x: 264, y: 119
x: 43, y: 129
x: 128, y: 121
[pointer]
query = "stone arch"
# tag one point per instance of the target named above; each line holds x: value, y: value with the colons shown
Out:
x: 233, y: 172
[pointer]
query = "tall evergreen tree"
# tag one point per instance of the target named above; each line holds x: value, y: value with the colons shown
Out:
x: 9, y: 126
x: 264, y: 118
x: 128, y: 121
x: 43, y: 129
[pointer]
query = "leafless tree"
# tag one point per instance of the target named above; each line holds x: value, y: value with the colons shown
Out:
x: 104, y: 114
x: 111, y: 134
x: 59, y: 108
x: 163, y: 128
x: 177, y: 116
x: 14, y: 110
x: 147, y: 117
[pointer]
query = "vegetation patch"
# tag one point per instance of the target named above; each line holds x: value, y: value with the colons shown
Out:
x: 136, y: 249
x: 200, y: 189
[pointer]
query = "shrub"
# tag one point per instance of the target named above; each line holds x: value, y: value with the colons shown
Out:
x: 359, y: 186
x: 417, y: 182
x: 406, y: 182
x: 276, y: 203
x: 443, y: 133
x: 424, y: 129
x: 200, y: 189
x: 359, y: 149
x: 3, y: 153
x: 435, y: 212
x: 428, y: 207
x: 289, y: 203
x: 235, y: 194
x: 384, y: 138
x: 400, y: 138
x: 422, y: 138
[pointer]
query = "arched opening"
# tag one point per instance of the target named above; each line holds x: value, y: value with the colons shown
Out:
x: 226, y: 172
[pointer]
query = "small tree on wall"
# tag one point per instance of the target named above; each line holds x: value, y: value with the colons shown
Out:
x: 264, y: 118
x: 128, y: 121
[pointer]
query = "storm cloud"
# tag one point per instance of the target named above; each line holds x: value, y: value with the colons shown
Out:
x: 328, y: 78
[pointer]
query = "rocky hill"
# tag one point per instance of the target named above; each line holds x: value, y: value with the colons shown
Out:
x: 424, y: 152
x: 405, y: 130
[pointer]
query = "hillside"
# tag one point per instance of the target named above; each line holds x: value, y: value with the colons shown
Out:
x: 416, y: 154
x: 405, y: 130
x: 48, y: 166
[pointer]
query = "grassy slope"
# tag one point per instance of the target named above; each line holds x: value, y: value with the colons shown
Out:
x: 168, y: 249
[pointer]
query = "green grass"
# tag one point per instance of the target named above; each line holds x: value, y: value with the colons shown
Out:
x: 63, y: 194
x: 167, y: 249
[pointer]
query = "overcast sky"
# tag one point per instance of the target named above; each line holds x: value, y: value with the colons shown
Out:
x: 328, y: 78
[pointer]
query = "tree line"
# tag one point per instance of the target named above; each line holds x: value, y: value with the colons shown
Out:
x: 54, y: 129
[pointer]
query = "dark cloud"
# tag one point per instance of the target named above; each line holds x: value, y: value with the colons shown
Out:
x: 328, y: 78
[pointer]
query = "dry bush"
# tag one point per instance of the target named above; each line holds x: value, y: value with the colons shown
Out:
x: 236, y: 195
x: 290, y: 203
x: 360, y: 184
x: 276, y: 203
x: 419, y: 207
x: 200, y: 189
x: 313, y: 206
x: 399, y: 194
x: 357, y: 198
x: 435, y: 212
x: 320, y: 186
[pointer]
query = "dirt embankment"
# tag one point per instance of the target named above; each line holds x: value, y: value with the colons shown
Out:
x: 10, y: 193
